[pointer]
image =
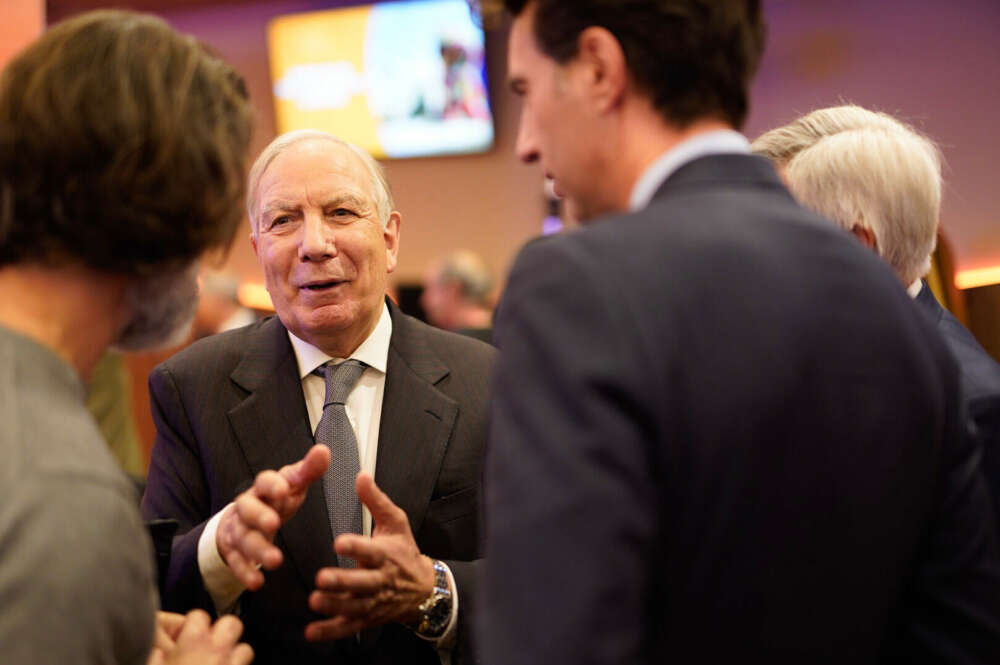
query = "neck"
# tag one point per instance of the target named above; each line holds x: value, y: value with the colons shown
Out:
x: 643, y: 137
x: 73, y: 311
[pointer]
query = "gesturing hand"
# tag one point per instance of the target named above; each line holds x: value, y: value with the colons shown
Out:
x: 193, y: 640
x: 245, y: 537
x: 391, y: 581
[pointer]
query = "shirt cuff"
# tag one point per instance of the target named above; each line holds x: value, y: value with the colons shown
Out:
x: 447, y: 638
x: 220, y: 582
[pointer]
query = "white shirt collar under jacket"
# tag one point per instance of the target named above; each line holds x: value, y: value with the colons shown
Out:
x: 719, y: 142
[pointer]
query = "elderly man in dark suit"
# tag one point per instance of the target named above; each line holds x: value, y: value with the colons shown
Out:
x: 317, y: 572
x: 721, y: 432
x: 880, y: 179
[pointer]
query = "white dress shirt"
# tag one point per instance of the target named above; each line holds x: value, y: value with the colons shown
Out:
x: 364, y: 409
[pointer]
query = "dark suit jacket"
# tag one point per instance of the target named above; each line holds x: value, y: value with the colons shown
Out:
x: 231, y: 406
x: 722, y: 433
x: 980, y: 380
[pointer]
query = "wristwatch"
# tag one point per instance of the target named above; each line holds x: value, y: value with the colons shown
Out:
x: 435, y: 612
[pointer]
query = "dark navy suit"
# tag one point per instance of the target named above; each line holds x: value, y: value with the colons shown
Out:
x: 722, y: 433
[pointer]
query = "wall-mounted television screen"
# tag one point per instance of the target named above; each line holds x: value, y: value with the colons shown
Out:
x: 399, y: 79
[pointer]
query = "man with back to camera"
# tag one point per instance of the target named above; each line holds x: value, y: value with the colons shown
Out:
x: 693, y: 456
x: 108, y: 198
x: 881, y: 180
x: 235, y: 405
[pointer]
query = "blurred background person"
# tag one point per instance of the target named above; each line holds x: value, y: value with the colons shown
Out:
x: 219, y: 306
x: 109, y: 196
x: 458, y: 295
x: 880, y: 179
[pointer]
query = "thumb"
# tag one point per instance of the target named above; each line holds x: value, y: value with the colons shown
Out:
x: 309, y: 469
x: 386, y: 515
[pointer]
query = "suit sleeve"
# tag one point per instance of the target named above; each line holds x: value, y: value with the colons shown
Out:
x: 952, y: 610
x: 571, y: 518
x: 176, y: 490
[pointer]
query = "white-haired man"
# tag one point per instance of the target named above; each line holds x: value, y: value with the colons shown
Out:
x: 880, y: 179
x: 238, y: 404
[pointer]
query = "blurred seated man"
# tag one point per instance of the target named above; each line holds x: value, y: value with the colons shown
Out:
x: 457, y: 295
x: 122, y: 150
x: 339, y: 373
x: 881, y: 180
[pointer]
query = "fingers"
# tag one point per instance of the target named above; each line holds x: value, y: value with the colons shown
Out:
x: 344, y: 605
x: 168, y: 626
x: 226, y: 631
x: 242, y: 655
x: 308, y: 470
x: 367, y: 552
x: 333, y: 629
x: 387, y: 516
x: 242, y: 546
x: 196, y: 623
x: 357, y: 581
x: 201, y: 642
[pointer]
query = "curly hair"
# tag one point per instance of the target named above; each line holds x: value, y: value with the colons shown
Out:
x: 123, y: 147
x: 694, y: 58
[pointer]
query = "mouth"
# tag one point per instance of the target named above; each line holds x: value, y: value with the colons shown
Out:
x: 322, y: 285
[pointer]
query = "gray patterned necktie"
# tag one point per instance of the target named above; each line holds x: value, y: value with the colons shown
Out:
x: 334, y: 430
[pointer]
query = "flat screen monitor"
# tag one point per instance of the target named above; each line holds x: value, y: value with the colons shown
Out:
x: 399, y: 79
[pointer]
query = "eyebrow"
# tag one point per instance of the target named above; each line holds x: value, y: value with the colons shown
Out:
x: 349, y: 199
x: 275, y: 206
x: 280, y: 205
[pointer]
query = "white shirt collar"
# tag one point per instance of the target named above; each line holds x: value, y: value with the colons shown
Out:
x: 716, y: 142
x: 374, y: 351
x: 914, y: 289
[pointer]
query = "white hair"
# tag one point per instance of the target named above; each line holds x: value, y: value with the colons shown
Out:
x: 380, y: 185
x: 887, y: 181
x: 861, y: 167
x: 780, y: 145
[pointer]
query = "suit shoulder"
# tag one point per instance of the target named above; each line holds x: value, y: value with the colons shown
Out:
x: 980, y: 372
x: 453, y: 345
x: 222, y: 350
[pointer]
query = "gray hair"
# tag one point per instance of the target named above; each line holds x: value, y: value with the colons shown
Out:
x: 380, y: 185
x: 471, y: 274
x: 859, y: 167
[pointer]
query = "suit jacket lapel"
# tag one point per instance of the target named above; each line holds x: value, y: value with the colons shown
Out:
x: 272, y: 427
x: 417, y: 420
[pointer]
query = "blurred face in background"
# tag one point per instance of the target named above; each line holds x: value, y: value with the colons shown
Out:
x: 325, y: 253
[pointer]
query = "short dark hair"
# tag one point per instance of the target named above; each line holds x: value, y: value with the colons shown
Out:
x: 695, y: 58
x: 123, y: 147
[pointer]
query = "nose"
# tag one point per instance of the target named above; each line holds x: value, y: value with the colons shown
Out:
x: 317, y: 242
x: 526, y: 148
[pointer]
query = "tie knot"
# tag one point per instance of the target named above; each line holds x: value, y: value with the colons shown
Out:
x: 340, y: 380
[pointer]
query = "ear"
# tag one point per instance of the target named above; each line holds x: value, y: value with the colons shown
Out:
x: 391, y: 235
x: 866, y: 236
x: 601, y: 64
